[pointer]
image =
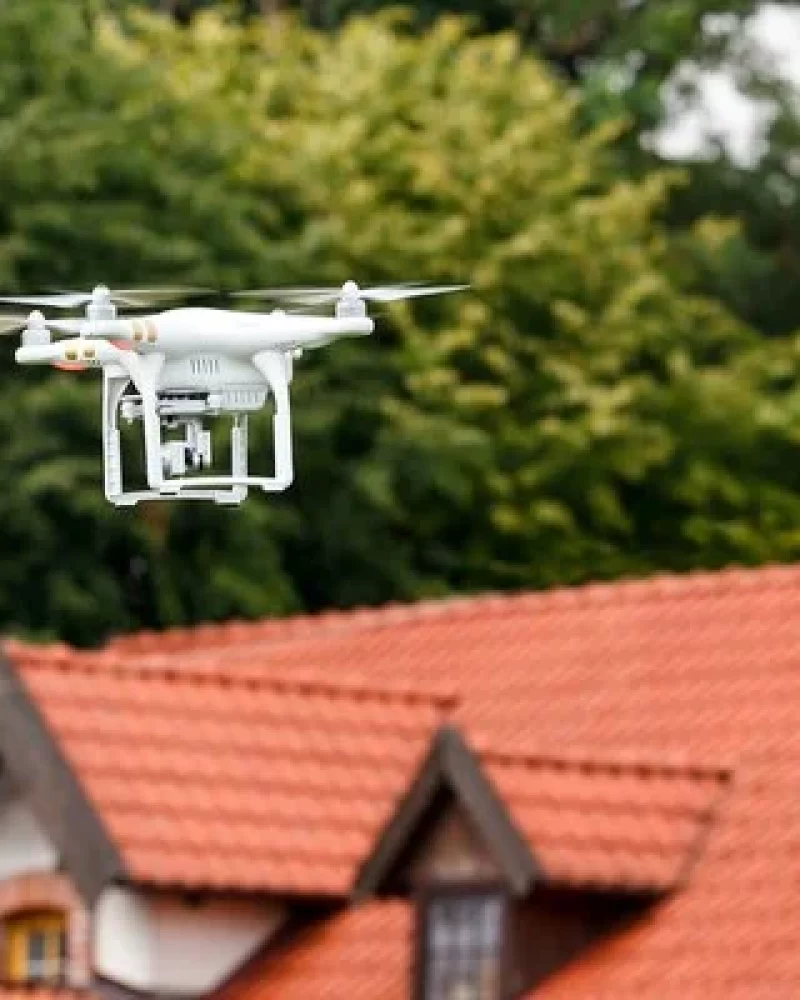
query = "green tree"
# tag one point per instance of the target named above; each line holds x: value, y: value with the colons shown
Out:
x: 558, y: 424
x: 581, y: 413
x: 105, y: 176
x: 622, y: 54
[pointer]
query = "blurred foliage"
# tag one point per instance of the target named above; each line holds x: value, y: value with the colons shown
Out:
x: 615, y: 47
x: 622, y: 53
x: 583, y: 413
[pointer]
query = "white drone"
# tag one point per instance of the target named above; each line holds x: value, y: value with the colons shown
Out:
x: 174, y: 368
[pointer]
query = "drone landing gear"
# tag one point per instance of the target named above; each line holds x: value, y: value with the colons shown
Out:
x: 168, y: 461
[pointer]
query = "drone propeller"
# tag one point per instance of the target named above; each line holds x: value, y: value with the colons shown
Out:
x: 15, y: 323
x: 321, y: 296
x: 134, y: 298
x: 12, y: 323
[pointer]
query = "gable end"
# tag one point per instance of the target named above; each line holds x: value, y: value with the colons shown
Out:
x: 450, y: 767
x: 48, y: 784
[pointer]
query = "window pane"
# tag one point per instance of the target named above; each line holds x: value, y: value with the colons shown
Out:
x: 463, y: 939
x: 36, y: 949
x: 37, y: 955
x: 492, y: 914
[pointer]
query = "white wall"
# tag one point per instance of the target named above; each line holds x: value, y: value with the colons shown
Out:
x: 24, y: 846
x: 123, y: 938
x: 161, y: 943
x: 154, y: 942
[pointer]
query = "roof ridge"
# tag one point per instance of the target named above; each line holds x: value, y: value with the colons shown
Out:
x: 623, y: 764
x: 305, y: 680
x: 663, y: 585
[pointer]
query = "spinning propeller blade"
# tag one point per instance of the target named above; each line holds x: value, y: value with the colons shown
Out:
x: 12, y: 324
x: 392, y: 293
x: 135, y: 298
x: 61, y: 300
x: 320, y: 296
x: 145, y: 298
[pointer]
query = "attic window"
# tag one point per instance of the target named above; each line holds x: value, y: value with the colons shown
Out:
x: 462, y: 942
x: 35, y: 948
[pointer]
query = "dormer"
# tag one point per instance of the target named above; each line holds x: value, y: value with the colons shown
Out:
x: 198, y: 812
x: 516, y: 865
x: 71, y: 907
x: 43, y: 920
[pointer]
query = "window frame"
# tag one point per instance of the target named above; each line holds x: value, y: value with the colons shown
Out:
x: 19, y: 929
x: 429, y: 894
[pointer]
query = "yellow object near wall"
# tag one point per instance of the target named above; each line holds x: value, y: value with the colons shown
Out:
x: 35, y: 947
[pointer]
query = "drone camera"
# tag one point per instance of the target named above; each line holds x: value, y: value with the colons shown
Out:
x: 191, y: 453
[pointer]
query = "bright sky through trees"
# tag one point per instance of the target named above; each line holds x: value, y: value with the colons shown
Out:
x: 722, y: 110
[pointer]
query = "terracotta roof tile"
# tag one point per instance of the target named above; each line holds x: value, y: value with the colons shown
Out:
x: 9, y: 992
x: 362, y: 954
x: 699, y: 673
x: 660, y: 590
x: 603, y: 826
x: 252, y: 784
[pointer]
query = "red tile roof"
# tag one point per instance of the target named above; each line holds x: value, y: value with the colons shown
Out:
x: 661, y: 671
x: 596, y: 826
x: 206, y: 780
x: 9, y: 992
x: 696, y: 670
x: 700, y: 672
x: 361, y: 955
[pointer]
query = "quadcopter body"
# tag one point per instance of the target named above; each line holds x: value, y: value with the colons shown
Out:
x: 173, y: 371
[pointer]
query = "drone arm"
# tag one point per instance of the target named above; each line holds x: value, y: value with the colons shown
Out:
x: 310, y: 332
x: 75, y: 350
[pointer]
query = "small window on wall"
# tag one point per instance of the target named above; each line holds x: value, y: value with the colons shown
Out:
x: 35, y: 948
x: 462, y: 945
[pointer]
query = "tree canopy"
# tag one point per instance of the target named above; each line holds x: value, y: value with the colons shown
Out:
x: 584, y: 412
x: 624, y: 55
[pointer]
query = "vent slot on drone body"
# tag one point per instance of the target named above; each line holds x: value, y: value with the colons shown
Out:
x: 204, y: 366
